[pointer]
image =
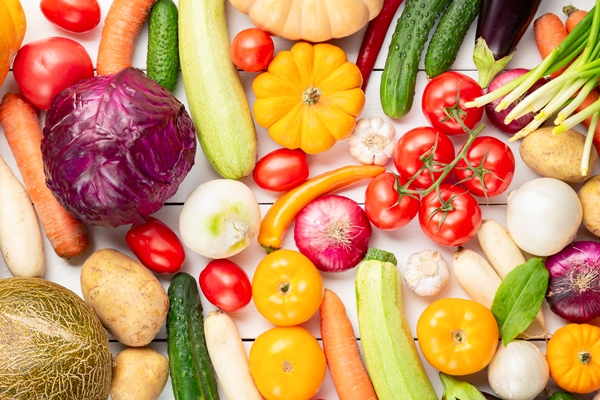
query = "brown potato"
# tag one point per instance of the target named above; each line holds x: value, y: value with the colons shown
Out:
x: 139, y: 373
x: 129, y: 300
x: 557, y: 156
x: 589, y: 195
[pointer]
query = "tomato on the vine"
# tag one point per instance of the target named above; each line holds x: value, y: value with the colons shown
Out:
x: 493, y: 167
x: 419, y: 146
x: 450, y: 216
x: 457, y: 336
x: 252, y: 50
x: 382, y: 206
x: 45, y: 67
x: 448, y: 91
x: 281, y: 170
x: 72, y: 15
x: 225, y: 285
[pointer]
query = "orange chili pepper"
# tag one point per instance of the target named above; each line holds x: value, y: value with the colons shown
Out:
x: 281, y: 214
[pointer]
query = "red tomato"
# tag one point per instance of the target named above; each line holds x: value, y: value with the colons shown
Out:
x: 382, y: 206
x: 281, y: 170
x: 493, y: 165
x: 453, y: 222
x: 46, y: 67
x: 415, y: 147
x: 226, y: 285
x: 440, y: 97
x: 156, y: 246
x: 72, y: 15
x: 252, y: 50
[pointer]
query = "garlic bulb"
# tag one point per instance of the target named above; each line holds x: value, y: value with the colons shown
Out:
x: 426, y: 272
x: 372, y: 141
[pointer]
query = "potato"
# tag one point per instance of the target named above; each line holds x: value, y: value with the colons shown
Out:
x: 557, y: 156
x: 589, y: 195
x: 129, y: 300
x: 139, y: 373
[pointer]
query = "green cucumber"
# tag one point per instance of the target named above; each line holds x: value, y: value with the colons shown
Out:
x: 162, y: 60
x: 397, y: 90
x: 449, y: 35
x: 389, y: 349
x: 215, y: 95
x: 192, y: 373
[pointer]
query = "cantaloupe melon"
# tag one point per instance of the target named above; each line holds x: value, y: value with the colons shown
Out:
x: 52, y: 345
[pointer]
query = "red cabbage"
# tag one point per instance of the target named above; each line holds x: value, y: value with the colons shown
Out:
x: 116, y: 147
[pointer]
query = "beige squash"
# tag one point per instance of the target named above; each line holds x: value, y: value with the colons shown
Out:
x: 310, y: 20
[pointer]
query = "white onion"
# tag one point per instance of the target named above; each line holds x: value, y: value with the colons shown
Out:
x: 543, y: 216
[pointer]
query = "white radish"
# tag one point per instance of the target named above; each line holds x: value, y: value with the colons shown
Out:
x: 21, y: 242
x: 499, y: 248
x: 476, y: 276
x: 229, y: 357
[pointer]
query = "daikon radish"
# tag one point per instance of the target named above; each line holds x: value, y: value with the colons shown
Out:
x: 499, y: 247
x: 476, y: 276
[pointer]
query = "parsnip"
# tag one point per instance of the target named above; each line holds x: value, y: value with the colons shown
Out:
x: 499, y: 247
x: 476, y: 276
x: 21, y: 241
x: 229, y: 357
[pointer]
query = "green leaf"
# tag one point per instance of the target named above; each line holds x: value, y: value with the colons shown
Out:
x: 519, y: 298
x: 561, y: 396
x: 459, y: 390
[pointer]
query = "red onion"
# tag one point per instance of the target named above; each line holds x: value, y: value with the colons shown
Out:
x: 574, y: 286
x: 497, y: 118
x: 333, y: 232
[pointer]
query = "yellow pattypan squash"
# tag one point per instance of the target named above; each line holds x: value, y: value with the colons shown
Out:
x: 12, y: 31
x: 309, y: 97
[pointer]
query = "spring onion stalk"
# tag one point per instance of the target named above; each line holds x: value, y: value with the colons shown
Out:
x: 570, y: 108
x: 587, y: 147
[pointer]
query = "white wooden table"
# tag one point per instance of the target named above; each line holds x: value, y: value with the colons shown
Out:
x: 402, y: 242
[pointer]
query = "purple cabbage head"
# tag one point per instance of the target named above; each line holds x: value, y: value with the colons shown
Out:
x: 116, y: 147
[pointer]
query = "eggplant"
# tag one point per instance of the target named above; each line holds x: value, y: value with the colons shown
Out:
x: 500, y: 26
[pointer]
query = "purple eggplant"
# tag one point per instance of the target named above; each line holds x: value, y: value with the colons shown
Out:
x: 500, y: 26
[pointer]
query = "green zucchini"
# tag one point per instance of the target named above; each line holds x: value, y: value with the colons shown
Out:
x: 389, y: 349
x: 215, y: 95
x: 449, y: 35
x: 162, y: 60
x: 397, y: 90
x: 190, y: 367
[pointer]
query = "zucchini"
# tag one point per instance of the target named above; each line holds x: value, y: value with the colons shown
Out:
x: 397, y: 90
x: 162, y: 60
x: 449, y: 35
x: 214, y: 92
x: 389, y: 348
x: 192, y: 374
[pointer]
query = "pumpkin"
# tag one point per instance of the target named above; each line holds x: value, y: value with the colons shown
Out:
x: 573, y: 354
x: 52, y: 345
x: 12, y: 31
x: 309, y: 97
x: 310, y: 20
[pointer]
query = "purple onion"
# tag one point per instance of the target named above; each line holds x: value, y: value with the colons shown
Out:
x: 574, y: 285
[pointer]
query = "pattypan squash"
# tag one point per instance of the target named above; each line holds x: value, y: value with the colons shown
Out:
x: 12, y: 31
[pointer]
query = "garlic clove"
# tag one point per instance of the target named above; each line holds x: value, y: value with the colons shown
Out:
x: 372, y: 141
x: 426, y: 272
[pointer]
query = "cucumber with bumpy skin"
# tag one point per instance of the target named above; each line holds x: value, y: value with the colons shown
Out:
x: 162, y: 60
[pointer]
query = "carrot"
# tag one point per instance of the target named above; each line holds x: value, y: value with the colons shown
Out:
x: 574, y: 15
x: 549, y: 31
x: 346, y: 366
x: 122, y: 26
x: 23, y: 132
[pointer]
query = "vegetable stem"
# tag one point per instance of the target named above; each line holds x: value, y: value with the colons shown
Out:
x: 587, y: 147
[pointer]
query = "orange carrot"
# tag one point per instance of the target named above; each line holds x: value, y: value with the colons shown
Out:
x: 549, y: 31
x: 122, y: 26
x: 346, y: 366
x: 23, y: 132
x: 574, y: 15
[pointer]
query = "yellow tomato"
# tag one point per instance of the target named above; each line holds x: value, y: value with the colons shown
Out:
x: 457, y: 336
x: 287, y: 363
x: 287, y: 288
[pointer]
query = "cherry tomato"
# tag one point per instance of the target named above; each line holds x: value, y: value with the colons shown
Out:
x: 440, y: 97
x: 287, y: 363
x: 457, y: 336
x: 494, y: 167
x: 226, y: 285
x: 252, y: 50
x: 156, y: 246
x: 281, y: 170
x: 382, y: 206
x: 287, y: 288
x: 419, y: 145
x: 454, y: 222
x: 45, y: 67
x: 72, y: 15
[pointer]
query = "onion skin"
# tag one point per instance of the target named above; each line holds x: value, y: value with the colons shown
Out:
x: 574, y: 286
x: 333, y: 232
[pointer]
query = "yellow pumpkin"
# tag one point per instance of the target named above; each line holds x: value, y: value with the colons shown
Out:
x: 311, y: 20
x: 12, y: 31
x: 309, y: 97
